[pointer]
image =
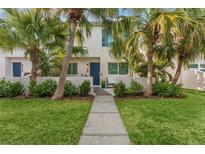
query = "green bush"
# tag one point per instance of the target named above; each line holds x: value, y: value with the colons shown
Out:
x: 85, y: 88
x: 135, y: 88
x: 70, y: 89
x: 46, y: 88
x: 8, y: 89
x: 5, y: 88
x: 102, y: 83
x: 120, y: 89
x: 166, y: 89
x: 17, y: 88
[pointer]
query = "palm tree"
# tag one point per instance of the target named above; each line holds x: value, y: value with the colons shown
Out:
x: 77, y: 17
x: 33, y: 30
x: 190, y: 41
x: 147, y: 29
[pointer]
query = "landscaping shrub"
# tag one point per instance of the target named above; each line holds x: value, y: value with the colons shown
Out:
x: 102, y: 82
x: 166, y: 89
x: 135, y: 88
x: 8, y: 89
x: 70, y: 89
x: 85, y: 88
x: 5, y: 88
x: 120, y: 89
x: 46, y: 88
x: 16, y: 89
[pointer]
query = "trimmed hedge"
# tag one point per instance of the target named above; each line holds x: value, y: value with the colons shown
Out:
x: 11, y: 89
x: 44, y: 89
x: 166, y: 89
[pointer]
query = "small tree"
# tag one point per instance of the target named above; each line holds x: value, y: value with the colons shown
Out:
x: 32, y: 30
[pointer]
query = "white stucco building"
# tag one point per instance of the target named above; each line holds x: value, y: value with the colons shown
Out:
x: 98, y: 63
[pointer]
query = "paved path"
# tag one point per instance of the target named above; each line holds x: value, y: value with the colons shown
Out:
x: 104, y: 124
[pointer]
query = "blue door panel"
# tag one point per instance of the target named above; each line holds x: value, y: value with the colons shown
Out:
x: 95, y: 73
x: 16, y: 69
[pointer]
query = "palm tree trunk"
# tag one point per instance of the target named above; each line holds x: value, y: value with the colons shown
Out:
x: 178, y: 71
x: 35, y: 60
x: 148, y: 91
x: 60, y: 88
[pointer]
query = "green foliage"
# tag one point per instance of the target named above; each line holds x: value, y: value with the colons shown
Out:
x: 166, y: 89
x: 85, y: 88
x: 5, y: 88
x: 70, y: 89
x: 135, y: 88
x: 46, y: 88
x: 102, y: 83
x: 16, y: 89
x: 8, y: 89
x: 120, y: 89
x: 159, y: 70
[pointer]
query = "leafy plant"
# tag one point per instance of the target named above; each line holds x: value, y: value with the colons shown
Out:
x: 135, y: 88
x: 46, y: 88
x: 120, y: 89
x: 16, y: 89
x: 70, y: 89
x: 102, y: 83
x: 85, y: 88
x: 8, y: 89
x: 5, y: 88
x: 166, y: 89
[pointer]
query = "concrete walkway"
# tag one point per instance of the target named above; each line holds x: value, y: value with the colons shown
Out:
x: 104, y: 124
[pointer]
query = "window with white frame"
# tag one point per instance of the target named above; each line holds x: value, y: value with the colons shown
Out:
x: 193, y: 66
x: 73, y: 69
x: 202, y: 67
x: 118, y: 68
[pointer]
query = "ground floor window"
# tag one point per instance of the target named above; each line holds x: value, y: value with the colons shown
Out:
x: 118, y: 68
x: 200, y: 67
x: 73, y: 68
x: 193, y: 66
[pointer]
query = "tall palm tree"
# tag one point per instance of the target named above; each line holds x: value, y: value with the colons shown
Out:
x: 191, y: 40
x: 33, y: 30
x: 147, y: 30
x: 77, y: 17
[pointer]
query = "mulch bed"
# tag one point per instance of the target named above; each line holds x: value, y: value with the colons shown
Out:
x: 145, y: 97
x: 89, y: 98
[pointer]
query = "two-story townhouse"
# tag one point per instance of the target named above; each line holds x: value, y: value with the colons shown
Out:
x: 98, y: 63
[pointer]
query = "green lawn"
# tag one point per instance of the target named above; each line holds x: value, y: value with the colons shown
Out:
x: 165, y: 121
x: 42, y: 121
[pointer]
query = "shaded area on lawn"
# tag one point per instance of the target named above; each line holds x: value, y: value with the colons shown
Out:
x: 165, y: 121
x: 42, y: 121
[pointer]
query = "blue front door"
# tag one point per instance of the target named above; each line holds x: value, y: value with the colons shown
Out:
x: 95, y: 73
x: 16, y: 69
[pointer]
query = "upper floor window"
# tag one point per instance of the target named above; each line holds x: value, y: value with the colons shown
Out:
x: 118, y: 68
x: 73, y: 69
x: 106, y: 37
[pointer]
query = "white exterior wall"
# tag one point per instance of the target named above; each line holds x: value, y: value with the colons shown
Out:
x: 95, y: 49
x: 7, y: 59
